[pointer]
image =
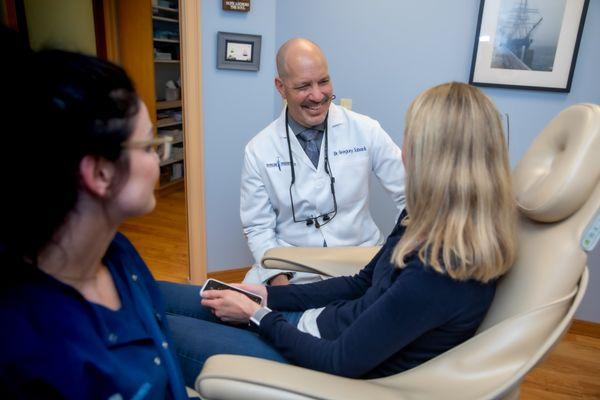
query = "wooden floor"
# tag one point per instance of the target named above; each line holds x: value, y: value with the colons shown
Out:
x: 571, y: 371
x: 161, y: 238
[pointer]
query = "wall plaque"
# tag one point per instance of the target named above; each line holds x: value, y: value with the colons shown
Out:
x: 236, y: 5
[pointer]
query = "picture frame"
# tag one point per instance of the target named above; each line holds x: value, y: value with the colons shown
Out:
x: 527, y: 44
x: 238, y: 51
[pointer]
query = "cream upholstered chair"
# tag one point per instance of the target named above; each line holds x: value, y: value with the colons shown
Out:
x: 558, y: 192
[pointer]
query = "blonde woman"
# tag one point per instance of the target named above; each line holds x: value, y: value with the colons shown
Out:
x: 459, y: 195
x: 429, y: 287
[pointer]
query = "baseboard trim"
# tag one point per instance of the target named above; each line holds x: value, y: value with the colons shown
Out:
x: 585, y: 328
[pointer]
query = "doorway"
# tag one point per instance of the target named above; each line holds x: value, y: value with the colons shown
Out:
x: 153, y: 38
x: 172, y: 238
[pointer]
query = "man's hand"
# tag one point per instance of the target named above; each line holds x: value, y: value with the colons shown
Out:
x: 229, y: 305
x: 279, y: 280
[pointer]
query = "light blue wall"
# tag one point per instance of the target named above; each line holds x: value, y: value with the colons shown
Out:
x: 237, y: 104
x: 381, y: 53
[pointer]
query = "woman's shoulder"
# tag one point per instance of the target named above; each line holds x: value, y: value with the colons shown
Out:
x: 39, y: 313
x: 123, y: 256
x: 24, y: 285
x: 121, y: 243
x: 397, y: 231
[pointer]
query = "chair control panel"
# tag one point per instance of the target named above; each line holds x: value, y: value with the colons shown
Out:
x: 591, y: 234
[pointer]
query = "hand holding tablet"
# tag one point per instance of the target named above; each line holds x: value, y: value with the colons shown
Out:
x: 213, y: 284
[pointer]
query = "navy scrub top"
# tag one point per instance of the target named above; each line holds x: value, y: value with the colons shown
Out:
x: 54, y: 343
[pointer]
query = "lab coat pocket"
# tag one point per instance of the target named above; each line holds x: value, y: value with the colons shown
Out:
x: 351, y: 180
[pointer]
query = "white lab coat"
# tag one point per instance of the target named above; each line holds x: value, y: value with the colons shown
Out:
x: 357, y: 146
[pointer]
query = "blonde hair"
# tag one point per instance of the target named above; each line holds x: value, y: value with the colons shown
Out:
x: 459, y: 194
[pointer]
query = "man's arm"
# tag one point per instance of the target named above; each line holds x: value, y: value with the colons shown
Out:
x: 281, y: 279
x: 387, y: 165
x: 258, y: 217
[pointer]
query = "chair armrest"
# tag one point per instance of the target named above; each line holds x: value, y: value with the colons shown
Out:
x: 487, y: 366
x: 192, y: 394
x: 229, y: 377
x: 331, y: 261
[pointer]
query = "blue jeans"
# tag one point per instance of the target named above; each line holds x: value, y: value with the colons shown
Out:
x: 197, y: 334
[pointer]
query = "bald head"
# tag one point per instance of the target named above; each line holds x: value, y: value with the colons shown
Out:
x: 304, y: 81
x: 296, y: 51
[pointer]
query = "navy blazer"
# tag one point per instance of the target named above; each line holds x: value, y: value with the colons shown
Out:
x: 381, y: 321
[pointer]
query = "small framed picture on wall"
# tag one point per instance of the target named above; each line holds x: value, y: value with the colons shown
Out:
x: 527, y: 44
x: 238, y: 51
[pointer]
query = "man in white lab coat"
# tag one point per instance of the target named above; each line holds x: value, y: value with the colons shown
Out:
x: 311, y: 187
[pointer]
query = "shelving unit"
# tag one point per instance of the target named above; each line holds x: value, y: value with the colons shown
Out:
x: 167, y: 58
x: 149, y: 47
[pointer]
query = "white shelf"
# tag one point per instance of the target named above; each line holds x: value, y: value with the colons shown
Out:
x: 173, y: 10
x: 171, y: 161
x: 170, y: 122
x: 161, y: 40
x: 154, y: 17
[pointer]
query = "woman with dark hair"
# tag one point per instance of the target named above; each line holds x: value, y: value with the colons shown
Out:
x: 82, y: 316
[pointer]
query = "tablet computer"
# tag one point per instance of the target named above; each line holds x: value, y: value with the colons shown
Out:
x: 213, y: 284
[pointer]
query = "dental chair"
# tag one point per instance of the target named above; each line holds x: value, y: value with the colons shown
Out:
x: 557, y: 184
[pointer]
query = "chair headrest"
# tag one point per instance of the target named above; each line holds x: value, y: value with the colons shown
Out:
x: 562, y: 166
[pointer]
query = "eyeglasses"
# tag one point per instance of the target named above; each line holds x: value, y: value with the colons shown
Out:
x: 161, y: 145
x: 325, y: 217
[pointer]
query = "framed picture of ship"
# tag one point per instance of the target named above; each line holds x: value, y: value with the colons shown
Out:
x: 527, y: 44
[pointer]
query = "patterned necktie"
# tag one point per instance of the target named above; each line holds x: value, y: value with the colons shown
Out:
x: 311, y: 149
